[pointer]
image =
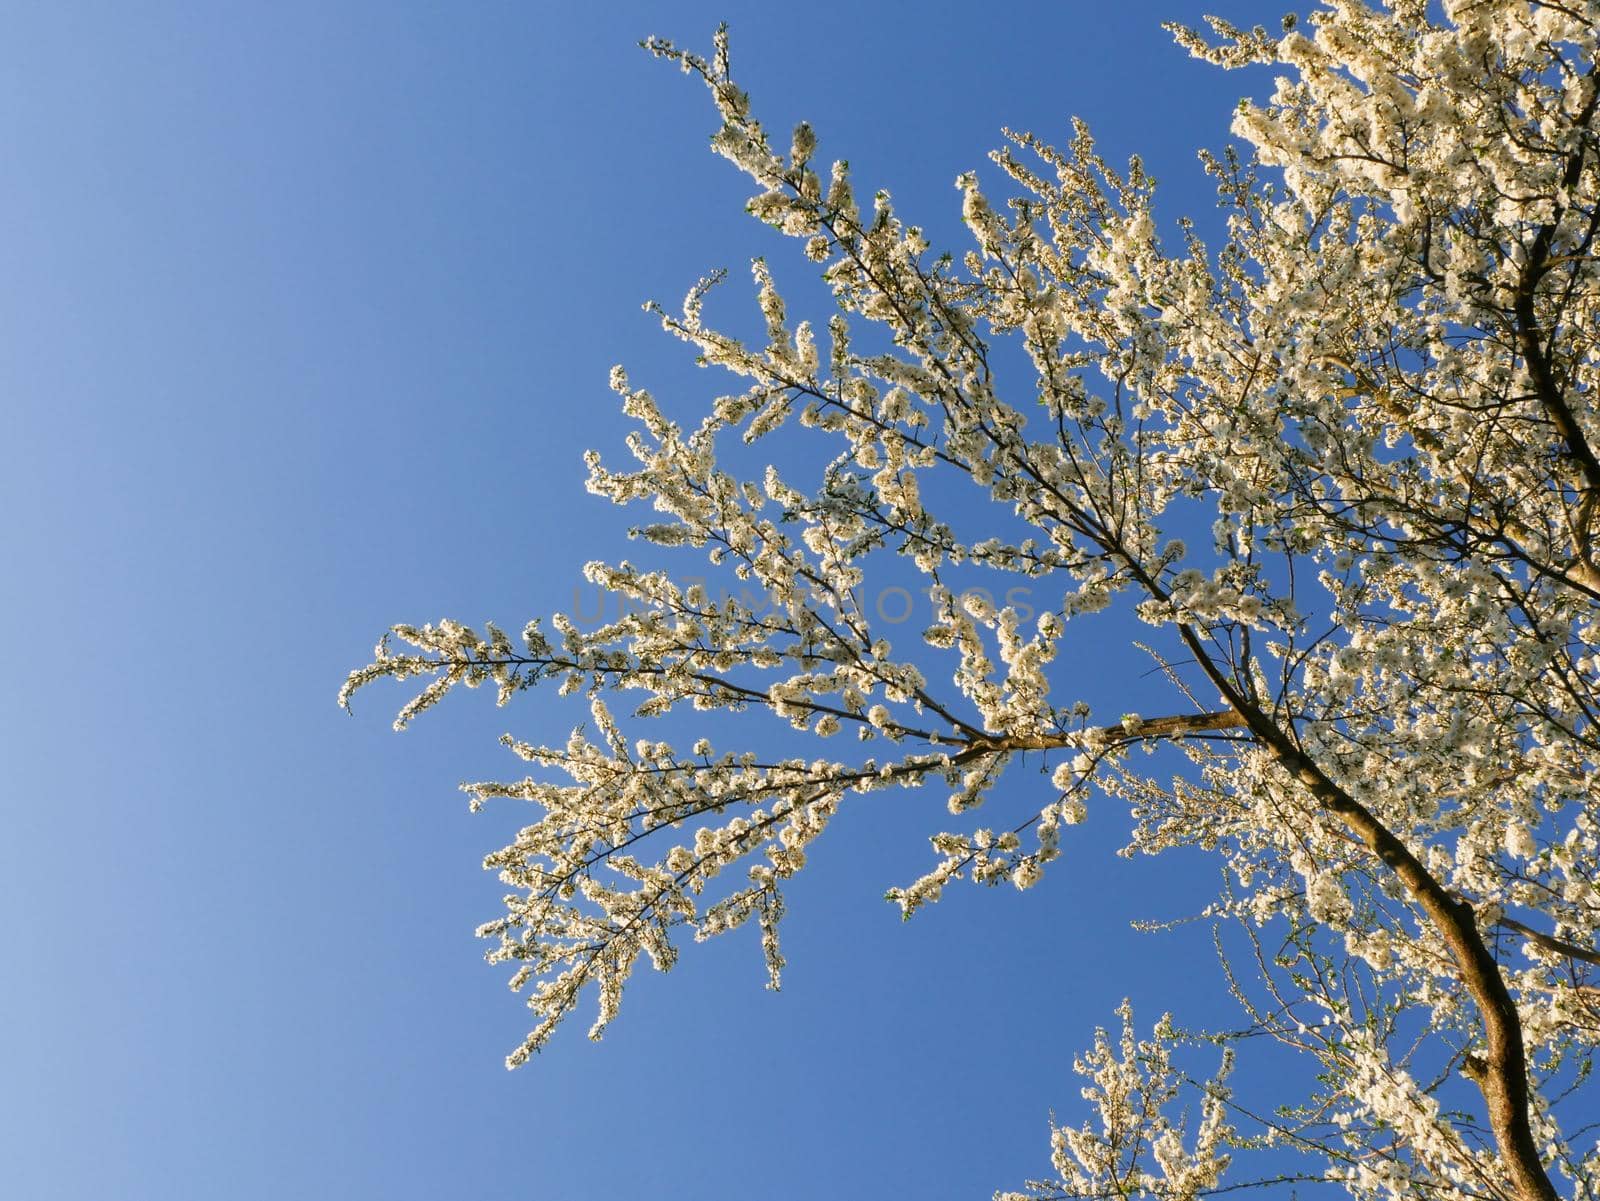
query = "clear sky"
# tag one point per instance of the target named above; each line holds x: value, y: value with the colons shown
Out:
x: 306, y: 312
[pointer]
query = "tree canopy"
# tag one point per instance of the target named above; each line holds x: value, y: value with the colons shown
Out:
x: 1340, y: 461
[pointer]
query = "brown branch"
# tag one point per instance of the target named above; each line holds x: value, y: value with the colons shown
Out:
x: 1556, y: 945
x: 1180, y: 725
x: 1542, y: 372
x: 1504, y: 1081
x: 1176, y: 727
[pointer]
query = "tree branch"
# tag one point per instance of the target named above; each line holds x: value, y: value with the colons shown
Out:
x: 1504, y: 1081
x: 1555, y: 945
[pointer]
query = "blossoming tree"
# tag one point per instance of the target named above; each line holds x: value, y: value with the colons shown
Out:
x: 1372, y: 410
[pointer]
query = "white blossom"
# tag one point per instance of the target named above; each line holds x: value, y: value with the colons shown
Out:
x: 1342, y: 463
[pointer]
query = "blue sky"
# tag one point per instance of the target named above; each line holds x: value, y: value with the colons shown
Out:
x: 308, y: 311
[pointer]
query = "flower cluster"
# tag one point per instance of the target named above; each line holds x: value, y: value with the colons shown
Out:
x: 1343, y: 462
